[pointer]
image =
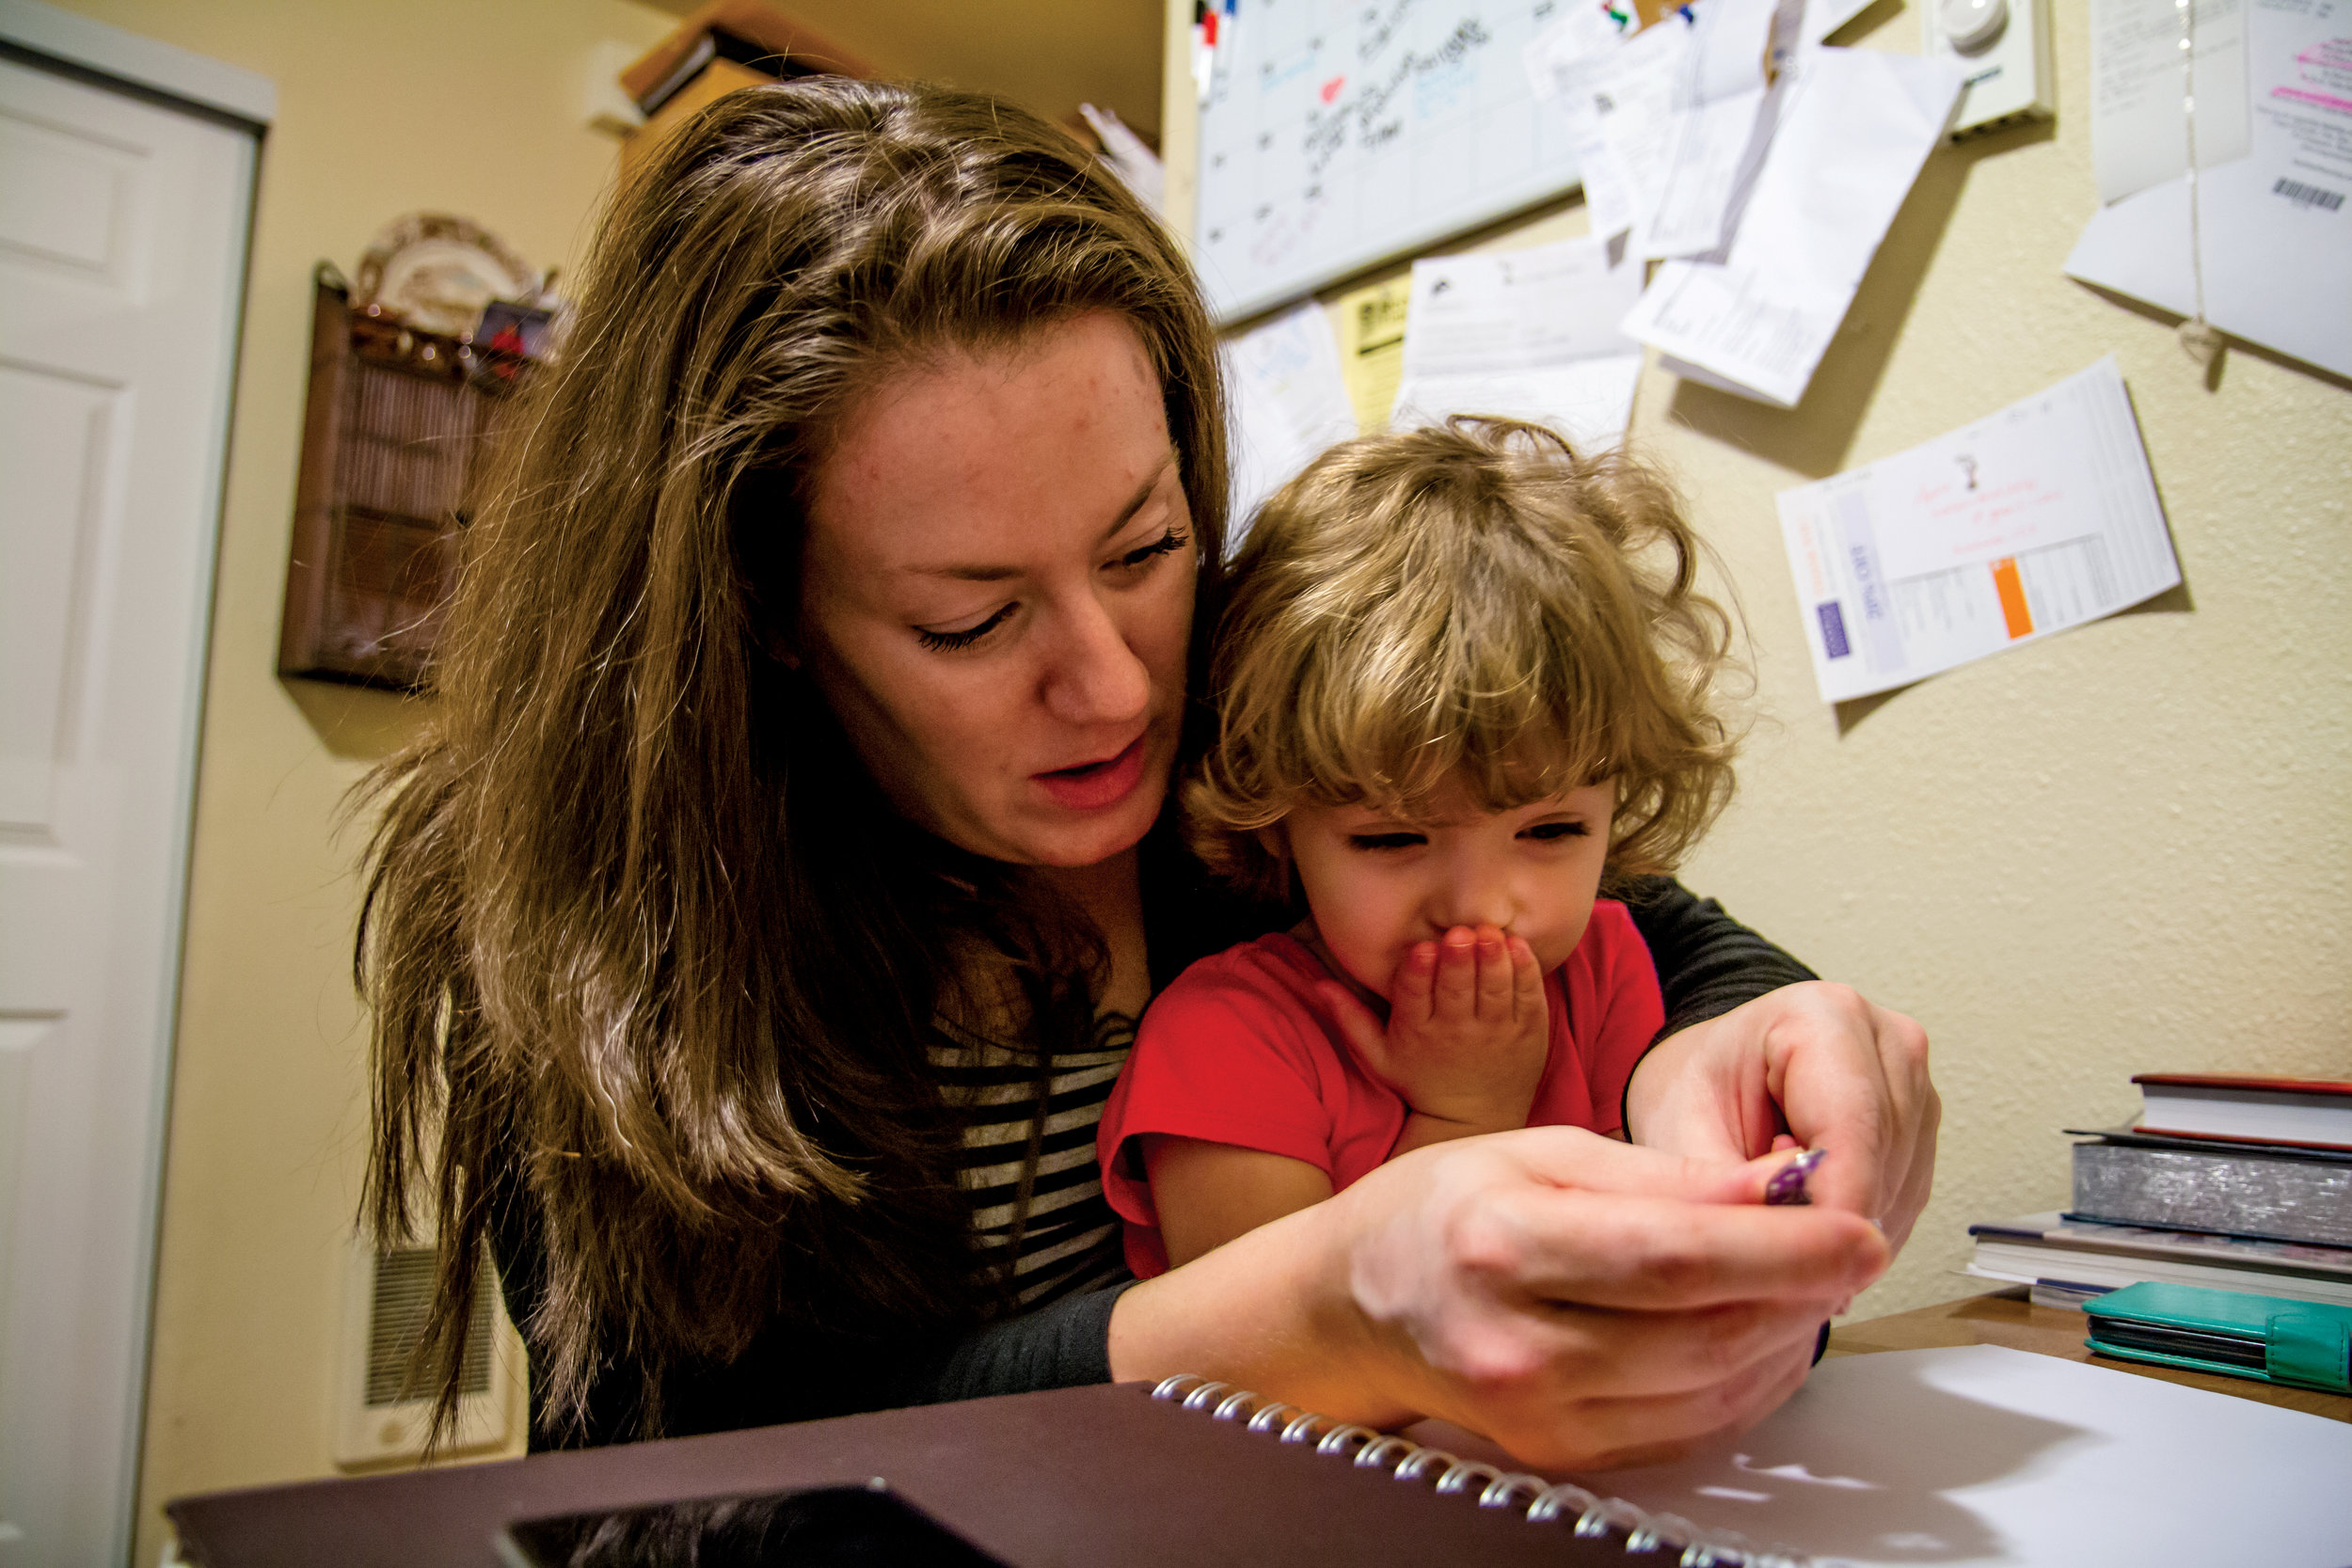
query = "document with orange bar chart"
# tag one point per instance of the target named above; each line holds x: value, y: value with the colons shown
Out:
x: 2039, y: 518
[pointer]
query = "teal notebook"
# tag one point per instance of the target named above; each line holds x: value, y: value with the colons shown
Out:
x: 2302, y: 1343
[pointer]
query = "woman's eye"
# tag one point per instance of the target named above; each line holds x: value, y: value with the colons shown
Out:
x: 1167, y: 544
x: 1376, y: 842
x: 945, y: 642
x: 1544, y: 832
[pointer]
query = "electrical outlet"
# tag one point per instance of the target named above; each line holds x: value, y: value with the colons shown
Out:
x: 2002, y: 48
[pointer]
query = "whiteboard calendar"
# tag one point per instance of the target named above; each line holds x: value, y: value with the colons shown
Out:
x: 1338, y: 133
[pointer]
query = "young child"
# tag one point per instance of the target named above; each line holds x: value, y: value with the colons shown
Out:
x: 1464, y: 682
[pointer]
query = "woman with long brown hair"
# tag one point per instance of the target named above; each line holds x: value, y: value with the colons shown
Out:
x: 754, y: 937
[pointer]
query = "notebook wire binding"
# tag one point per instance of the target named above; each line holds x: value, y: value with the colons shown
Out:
x: 1540, y: 1501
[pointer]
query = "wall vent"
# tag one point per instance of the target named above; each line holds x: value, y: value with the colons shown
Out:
x: 381, y: 1415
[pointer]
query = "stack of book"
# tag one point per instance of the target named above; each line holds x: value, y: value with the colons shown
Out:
x: 2231, y: 1184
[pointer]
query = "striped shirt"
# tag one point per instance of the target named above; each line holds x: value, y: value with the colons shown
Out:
x: 1064, y: 1239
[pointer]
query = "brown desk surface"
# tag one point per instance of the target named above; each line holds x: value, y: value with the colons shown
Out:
x: 2009, y: 1319
x: 1013, y: 1472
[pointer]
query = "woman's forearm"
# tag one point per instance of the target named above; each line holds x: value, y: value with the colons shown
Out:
x: 1268, y: 1312
x: 1579, y: 1301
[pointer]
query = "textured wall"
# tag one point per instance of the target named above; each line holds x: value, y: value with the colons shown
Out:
x: 2122, y: 849
x: 383, y: 108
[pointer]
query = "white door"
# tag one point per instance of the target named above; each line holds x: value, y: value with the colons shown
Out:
x: 122, y: 237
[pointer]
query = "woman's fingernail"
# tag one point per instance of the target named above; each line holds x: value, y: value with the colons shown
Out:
x: 1787, y: 1187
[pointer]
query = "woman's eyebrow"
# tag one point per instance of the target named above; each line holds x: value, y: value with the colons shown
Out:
x: 973, y: 573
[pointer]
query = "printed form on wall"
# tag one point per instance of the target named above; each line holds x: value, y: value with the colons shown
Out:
x: 1372, y: 347
x: 2137, y: 138
x: 1289, y: 402
x: 2039, y: 518
x: 1532, y: 334
x: 2273, y: 226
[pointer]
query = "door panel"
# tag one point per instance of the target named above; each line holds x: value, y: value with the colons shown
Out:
x: 122, y: 229
x: 55, y: 512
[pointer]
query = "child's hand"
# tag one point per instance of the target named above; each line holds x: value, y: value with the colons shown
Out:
x: 1467, y: 1037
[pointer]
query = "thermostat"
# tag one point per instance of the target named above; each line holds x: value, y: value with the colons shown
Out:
x: 2002, y: 48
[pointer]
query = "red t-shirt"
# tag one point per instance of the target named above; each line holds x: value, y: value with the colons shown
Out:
x: 1239, y: 1050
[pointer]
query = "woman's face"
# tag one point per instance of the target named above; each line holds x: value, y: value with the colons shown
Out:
x: 996, y: 591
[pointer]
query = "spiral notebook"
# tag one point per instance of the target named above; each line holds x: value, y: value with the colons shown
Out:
x: 1925, y: 1457
x: 1981, y: 1457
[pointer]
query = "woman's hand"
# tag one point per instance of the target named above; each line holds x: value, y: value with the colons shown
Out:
x: 1821, y: 1063
x: 1579, y: 1301
x: 1467, y: 1037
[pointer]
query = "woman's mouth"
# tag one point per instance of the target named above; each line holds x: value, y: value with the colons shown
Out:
x: 1091, y: 785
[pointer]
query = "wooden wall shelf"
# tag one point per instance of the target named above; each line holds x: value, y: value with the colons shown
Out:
x: 393, y: 440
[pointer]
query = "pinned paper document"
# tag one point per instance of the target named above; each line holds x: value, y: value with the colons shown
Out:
x: 2039, y: 518
x: 2139, y: 136
x: 1130, y: 156
x: 1617, y: 99
x: 1854, y: 126
x: 1372, y: 347
x: 2273, y: 229
x: 1288, y: 403
x: 1532, y: 334
x: 1668, y: 124
x: 1717, y: 128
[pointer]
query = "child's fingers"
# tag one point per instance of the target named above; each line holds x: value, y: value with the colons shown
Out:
x: 1526, y: 981
x: 1455, y: 993
x: 1496, y: 981
x: 1411, y: 987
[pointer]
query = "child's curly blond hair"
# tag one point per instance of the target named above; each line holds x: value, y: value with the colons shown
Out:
x: 1471, y: 598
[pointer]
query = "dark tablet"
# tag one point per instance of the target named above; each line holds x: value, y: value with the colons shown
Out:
x: 834, y: 1526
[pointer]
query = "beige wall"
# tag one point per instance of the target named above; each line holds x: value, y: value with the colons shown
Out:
x: 383, y: 108
x: 2124, y: 849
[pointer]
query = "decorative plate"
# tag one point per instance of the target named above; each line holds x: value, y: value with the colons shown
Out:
x: 435, y: 272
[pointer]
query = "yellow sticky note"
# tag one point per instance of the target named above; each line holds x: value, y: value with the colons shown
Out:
x: 1372, y: 349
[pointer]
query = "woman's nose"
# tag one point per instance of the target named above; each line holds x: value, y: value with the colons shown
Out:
x: 1093, y: 676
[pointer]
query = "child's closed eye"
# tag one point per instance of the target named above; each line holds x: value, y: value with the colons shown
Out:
x: 1547, y: 831
x: 1373, y: 843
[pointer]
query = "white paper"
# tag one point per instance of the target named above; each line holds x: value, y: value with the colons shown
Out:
x: 1583, y: 31
x: 1852, y: 131
x: 1632, y: 105
x: 1528, y: 333
x: 2037, y: 519
x: 1129, y: 156
x: 2278, y: 223
x: 1288, y: 403
x: 1981, y: 1457
x: 1718, y: 118
x: 1588, y: 402
x: 2138, y: 129
x: 1822, y: 18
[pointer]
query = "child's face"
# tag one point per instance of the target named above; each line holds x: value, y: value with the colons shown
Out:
x: 1380, y: 884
